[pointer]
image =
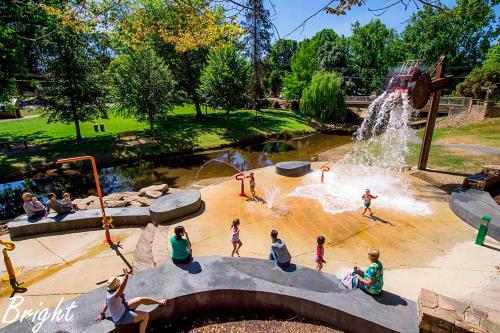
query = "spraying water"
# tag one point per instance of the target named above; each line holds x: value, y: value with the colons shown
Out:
x: 212, y: 161
x: 376, y: 162
x: 271, y: 192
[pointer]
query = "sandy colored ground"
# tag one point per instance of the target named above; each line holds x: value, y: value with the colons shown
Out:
x: 435, y: 252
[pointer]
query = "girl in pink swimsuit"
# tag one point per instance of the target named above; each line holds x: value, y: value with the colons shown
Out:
x: 235, y: 237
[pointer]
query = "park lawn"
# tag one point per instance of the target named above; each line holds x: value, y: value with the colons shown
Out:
x: 180, y: 131
x: 452, y: 160
x: 485, y: 133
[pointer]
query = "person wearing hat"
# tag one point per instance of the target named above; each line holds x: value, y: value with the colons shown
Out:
x: 121, y: 311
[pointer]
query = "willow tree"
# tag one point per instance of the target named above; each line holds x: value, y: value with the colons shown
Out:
x: 323, y: 100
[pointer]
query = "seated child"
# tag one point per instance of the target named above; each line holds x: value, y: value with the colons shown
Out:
x: 36, y: 203
x: 66, y: 202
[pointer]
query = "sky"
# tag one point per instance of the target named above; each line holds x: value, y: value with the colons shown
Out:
x: 290, y: 13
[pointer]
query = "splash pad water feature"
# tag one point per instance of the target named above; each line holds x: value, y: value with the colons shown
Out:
x: 377, y: 159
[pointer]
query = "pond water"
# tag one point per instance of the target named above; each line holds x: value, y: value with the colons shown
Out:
x: 176, y: 171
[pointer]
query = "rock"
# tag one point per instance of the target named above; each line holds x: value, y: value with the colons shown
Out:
x: 94, y: 205
x: 113, y: 197
x: 144, y: 201
x: 135, y: 204
x: 86, y: 202
x: 130, y: 197
x: 153, y: 194
x: 163, y: 188
x: 115, y: 203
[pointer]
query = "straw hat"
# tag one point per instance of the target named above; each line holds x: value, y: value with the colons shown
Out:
x: 114, y: 283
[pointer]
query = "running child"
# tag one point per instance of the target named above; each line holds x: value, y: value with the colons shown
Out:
x: 320, y: 252
x: 367, y: 198
x: 235, y: 237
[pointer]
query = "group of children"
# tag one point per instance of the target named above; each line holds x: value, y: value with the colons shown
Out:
x: 320, y: 251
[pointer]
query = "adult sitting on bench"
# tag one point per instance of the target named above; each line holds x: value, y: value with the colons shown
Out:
x: 32, y: 208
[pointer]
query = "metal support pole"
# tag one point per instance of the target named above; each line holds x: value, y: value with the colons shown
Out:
x: 431, y: 118
x: 105, y: 223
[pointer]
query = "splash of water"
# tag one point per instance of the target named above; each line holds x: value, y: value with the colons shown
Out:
x: 212, y: 161
x: 376, y: 162
x: 270, y: 194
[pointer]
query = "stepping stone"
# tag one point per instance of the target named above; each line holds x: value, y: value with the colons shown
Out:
x: 175, y: 205
x: 293, y: 168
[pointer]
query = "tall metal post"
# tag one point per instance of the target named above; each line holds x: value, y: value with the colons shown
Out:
x: 431, y: 117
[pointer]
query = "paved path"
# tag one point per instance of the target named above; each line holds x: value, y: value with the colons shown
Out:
x: 25, y: 117
x: 472, y: 148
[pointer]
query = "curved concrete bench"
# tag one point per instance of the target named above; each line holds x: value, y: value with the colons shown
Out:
x: 293, y: 168
x: 216, y: 284
x: 471, y: 205
x: 175, y: 205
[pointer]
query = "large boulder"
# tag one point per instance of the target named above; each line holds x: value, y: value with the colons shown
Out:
x: 85, y: 203
x: 163, y: 188
x: 153, y: 194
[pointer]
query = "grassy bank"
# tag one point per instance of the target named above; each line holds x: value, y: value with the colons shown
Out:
x: 486, y: 133
x: 181, y: 131
x: 451, y: 160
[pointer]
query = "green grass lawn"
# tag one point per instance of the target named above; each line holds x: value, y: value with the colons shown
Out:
x: 180, y: 131
x: 484, y: 133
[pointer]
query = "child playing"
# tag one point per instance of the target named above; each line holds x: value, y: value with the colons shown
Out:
x: 367, y: 198
x: 36, y: 203
x: 320, y: 252
x: 252, y: 183
x: 235, y: 237
x: 66, y: 202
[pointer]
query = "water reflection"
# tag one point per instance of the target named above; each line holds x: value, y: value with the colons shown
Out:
x: 177, y: 171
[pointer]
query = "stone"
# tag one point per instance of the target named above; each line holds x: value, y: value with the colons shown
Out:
x: 113, y: 197
x: 144, y: 201
x: 115, y: 203
x: 428, y: 299
x: 175, y: 205
x: 163, y: 188
x: 293, y: 168
x: 94, y: 205
x: 129, y: 197
x: 135, y: 204
x: 153, y: 194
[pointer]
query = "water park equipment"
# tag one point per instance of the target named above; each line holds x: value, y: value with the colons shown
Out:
x: 483, y: 230
x: 11, y: 273
x: 241, y: 177
x: 106, y: 223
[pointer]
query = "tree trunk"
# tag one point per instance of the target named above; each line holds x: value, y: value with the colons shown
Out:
x: 77, y: 126
x: 192, y: 85
x: 152, y: 124
x: 74, y: 111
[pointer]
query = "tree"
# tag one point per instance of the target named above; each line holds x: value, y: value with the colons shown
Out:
x: 143, y: 84
x: 74, y: 89
x: 225, y: 80
x: 305, y: 62
x: 279, y: 63
x: 258, y: 42
x: 486, y: 75
x: 463, y: 34
x: 373, y: 53
x: 323, y: 99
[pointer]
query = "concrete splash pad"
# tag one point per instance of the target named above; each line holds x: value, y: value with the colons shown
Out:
x: 214, y: 283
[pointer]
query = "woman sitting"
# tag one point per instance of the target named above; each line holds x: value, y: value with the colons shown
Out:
x: 33, y: 208
x: 372, y: 279
x: 181, y: 248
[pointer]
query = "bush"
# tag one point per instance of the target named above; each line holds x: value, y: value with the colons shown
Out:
x: 323, y: 100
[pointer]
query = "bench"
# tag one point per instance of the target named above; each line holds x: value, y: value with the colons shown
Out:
x: 217, y: 284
